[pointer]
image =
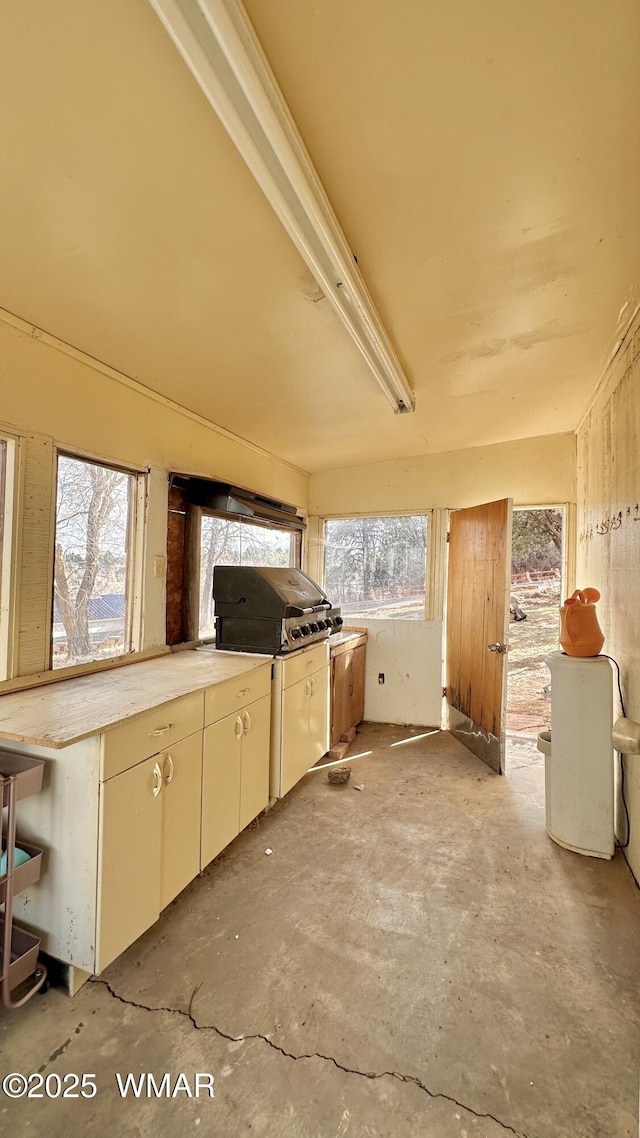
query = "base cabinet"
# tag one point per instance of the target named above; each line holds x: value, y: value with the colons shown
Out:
x: 149, y: 843
x: 129, y: 858
x: 235, y: 777
x: 347, y: 689
x: 181, y: 807
x: 300, y: 732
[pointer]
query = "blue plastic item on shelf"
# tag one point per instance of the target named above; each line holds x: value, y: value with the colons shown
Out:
x: 19, y: 857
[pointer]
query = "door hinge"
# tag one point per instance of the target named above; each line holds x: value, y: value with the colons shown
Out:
x: 444, y: 691
x: 448, y: 535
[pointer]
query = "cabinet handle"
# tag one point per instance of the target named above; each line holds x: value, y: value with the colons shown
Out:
x: 313, y: 686
x: 157, y: 774
x: 239, y: 727
x: 243, y: 691
x: 169, y: 775
x: 247, y: 722
x: 307, y: 688
x: 160, y: 731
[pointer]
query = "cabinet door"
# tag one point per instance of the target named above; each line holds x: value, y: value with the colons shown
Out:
x: 358, y: 667
x: 295, y: 734
x: 181, y: 805
x: 340, y: 698
x: 221, y: 785
x: 254, y: 783
x: 129, y: 858
x: 319, y: 715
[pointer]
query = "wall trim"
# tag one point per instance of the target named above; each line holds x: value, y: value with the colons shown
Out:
x: 609, y: 379
x: 39, y: 334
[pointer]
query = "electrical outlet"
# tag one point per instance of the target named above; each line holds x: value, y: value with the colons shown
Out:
x: 380, y: 677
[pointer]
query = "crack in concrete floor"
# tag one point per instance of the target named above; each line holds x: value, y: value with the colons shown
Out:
x: 373, y: 1075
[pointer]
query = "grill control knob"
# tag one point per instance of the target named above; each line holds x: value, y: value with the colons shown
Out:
x: 296, y: 633
x: 314, y: 626
x: 305, y: 630
x: 338, y: 621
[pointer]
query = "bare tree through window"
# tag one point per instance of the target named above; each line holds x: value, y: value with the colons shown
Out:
x: 225, y: 542
x: 94, y: 514
x: 376, y: 567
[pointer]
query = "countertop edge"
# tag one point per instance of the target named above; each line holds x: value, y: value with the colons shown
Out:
x: 59, y: 741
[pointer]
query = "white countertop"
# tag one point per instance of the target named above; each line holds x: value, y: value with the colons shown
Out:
x: 69, y: 710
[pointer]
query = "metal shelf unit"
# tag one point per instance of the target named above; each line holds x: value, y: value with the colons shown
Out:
x: 19, y: 777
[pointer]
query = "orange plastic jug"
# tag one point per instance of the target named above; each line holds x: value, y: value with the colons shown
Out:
x: 580, y: 633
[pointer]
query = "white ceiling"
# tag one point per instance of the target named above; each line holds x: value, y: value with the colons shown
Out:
x: 484, y: 162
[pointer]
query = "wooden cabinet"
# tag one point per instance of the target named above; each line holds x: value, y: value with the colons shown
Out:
x: 300, y: 733
x: 348, y: 661
x: 235, y: 778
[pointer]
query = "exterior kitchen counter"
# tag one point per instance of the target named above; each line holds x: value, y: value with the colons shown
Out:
x: 69, y: 710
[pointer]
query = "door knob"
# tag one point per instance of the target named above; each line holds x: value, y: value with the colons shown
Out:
x: 498, y: 647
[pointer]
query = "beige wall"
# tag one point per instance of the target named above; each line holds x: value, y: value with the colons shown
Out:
x: 51, y: 390
x: 54, y: 397
x: 609, y: 489
x: 531, y: 471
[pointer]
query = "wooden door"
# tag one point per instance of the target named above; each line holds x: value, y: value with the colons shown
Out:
x: 358, y: 668
x: 340, y: 698
x: 181, y: 807
x: 129, y: 858
x: 347, y: 691
x: 295, y: 734
x: 478, y: 588
x: 254, y: 779
x: 221, y: 767
x: 319, y: 715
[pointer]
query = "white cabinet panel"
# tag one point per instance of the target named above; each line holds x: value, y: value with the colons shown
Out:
x: 295, y: 734
x: 300, y: 722
x: 235, y: 778
x: 181, y: 807
x: 319, y: 715
x: 254, y: 783
x: 129, y: 862
x: 220, y: 785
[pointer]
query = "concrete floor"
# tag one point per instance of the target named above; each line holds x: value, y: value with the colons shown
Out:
x: 415, y: 958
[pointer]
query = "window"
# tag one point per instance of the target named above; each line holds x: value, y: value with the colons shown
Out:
x: 95, y: 519
x: 376, y: 567
x: 230, y: 542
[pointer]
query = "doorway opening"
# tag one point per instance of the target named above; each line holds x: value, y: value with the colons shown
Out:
x: 536, y: 587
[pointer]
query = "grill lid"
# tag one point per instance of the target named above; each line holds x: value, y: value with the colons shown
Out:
x: 259, y: 591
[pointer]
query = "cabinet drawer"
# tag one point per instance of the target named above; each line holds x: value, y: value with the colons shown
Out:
x: 303, y: 664
x: 137, y: 739
x: 224, y: 698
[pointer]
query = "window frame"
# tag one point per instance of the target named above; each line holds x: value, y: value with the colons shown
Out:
x: 135, y: 554
x: 294, y: 531
x: 9, y: 578
x: 434, y: 560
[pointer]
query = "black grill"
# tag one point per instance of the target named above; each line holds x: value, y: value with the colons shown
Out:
x: 267, y: 610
